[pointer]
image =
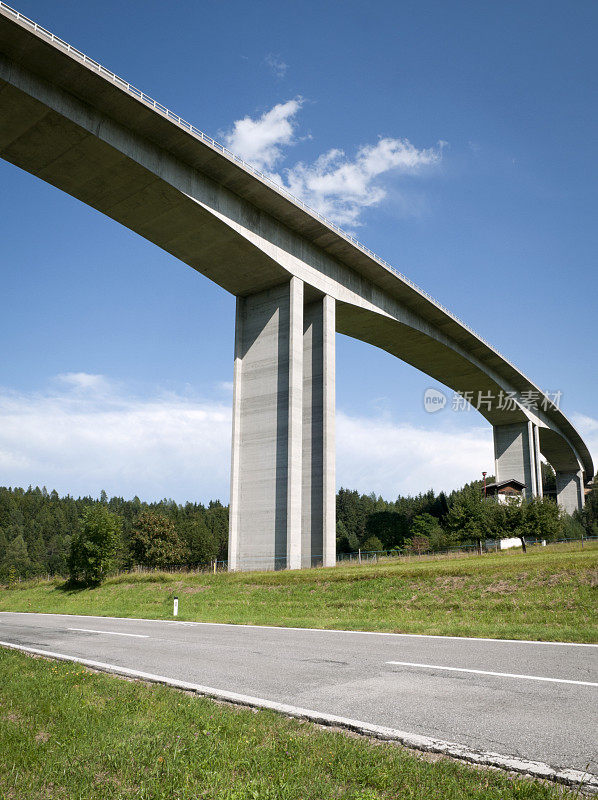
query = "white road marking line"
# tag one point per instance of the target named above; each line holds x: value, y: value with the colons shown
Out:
x: 569, y: 777
x: 497, y: 674
x: 313, y: 630
x: 111, y: 633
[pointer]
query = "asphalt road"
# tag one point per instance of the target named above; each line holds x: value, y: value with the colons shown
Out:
x: 485, y: 694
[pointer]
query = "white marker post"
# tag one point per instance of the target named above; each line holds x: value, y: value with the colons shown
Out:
x: 175, y: 610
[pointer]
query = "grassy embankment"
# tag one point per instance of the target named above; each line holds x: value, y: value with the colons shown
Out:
x: 549, y: 593
x: 66, y: 732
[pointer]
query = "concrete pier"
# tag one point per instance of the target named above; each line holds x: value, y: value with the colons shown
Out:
x: 537, y: 460
x: 570, y: 490
x: 318, y: 522
x: 282, y: 511
x: 517, y: 455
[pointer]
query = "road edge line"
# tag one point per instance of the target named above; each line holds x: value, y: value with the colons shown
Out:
x: 313, y: 630
x: 537, y: 769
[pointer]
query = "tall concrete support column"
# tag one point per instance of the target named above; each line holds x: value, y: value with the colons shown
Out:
x: 570, y: 490
x: 318, y: 536
x: 266, y: 461
x: 517, y: 455
x: 537, y: 459
x: 283, y: 494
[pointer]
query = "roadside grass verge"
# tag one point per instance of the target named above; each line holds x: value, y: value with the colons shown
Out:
x: 67, y: 732
x: 547, y: 594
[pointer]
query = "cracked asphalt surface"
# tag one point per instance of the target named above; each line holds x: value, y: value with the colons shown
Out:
x: 348, y: 674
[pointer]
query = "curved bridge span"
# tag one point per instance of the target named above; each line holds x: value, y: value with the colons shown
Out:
x: 297, y: 278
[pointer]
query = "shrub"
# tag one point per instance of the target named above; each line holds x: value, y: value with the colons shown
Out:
x: 94, y: 546
x: 155, y: 542
x: 417, y: 544
x: 371, y: 544
x: 572, y: 528
x: 427, y: 526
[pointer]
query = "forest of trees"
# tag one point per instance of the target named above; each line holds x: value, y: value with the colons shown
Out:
x: 40, y: 531
x: 37, y: 526
x: 431, y: 522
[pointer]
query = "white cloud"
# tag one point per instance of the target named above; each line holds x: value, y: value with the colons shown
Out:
x: 259, y: 141
x: 585, y: 423
x: 80, y: 443
x: 277, y: 65
x: 588, y: 428
x: 170, y: 445
x: 341, y: 188
x: 83, y: 381
x: 389, y: 458
x: 334, y: 184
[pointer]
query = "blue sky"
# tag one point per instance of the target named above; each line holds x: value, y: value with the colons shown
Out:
x: 457, y: 140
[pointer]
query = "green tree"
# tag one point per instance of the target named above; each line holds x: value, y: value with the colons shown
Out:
x: 372, y: 544
x: 548, y: 480
x: 37, y: 553
x: 341, y: 536
x: 572, y: 528
x: 345, y: 542
x: 390, y: 527
x: 94, y: 546
x: 510, y: 518
x: 3, y: 546
x: 430, y: 527
x: 588, y: 516
x: 471, y: 517
x: 216, y: 517
x: 201, y: 545
x: 537, y: 518
x: 17, y: 557
x: 425, y: 525
x: 542, y: 519
x: 155, y: 541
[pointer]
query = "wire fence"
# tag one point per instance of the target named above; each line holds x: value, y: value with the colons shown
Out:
x: 359, y: 557
x: 267, y: 563
x: 401, y: 554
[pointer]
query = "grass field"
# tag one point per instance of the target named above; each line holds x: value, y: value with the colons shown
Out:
x: 549, y: 593
x: 69, y: 733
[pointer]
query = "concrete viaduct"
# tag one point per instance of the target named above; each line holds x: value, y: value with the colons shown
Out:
x: 297, y: 278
